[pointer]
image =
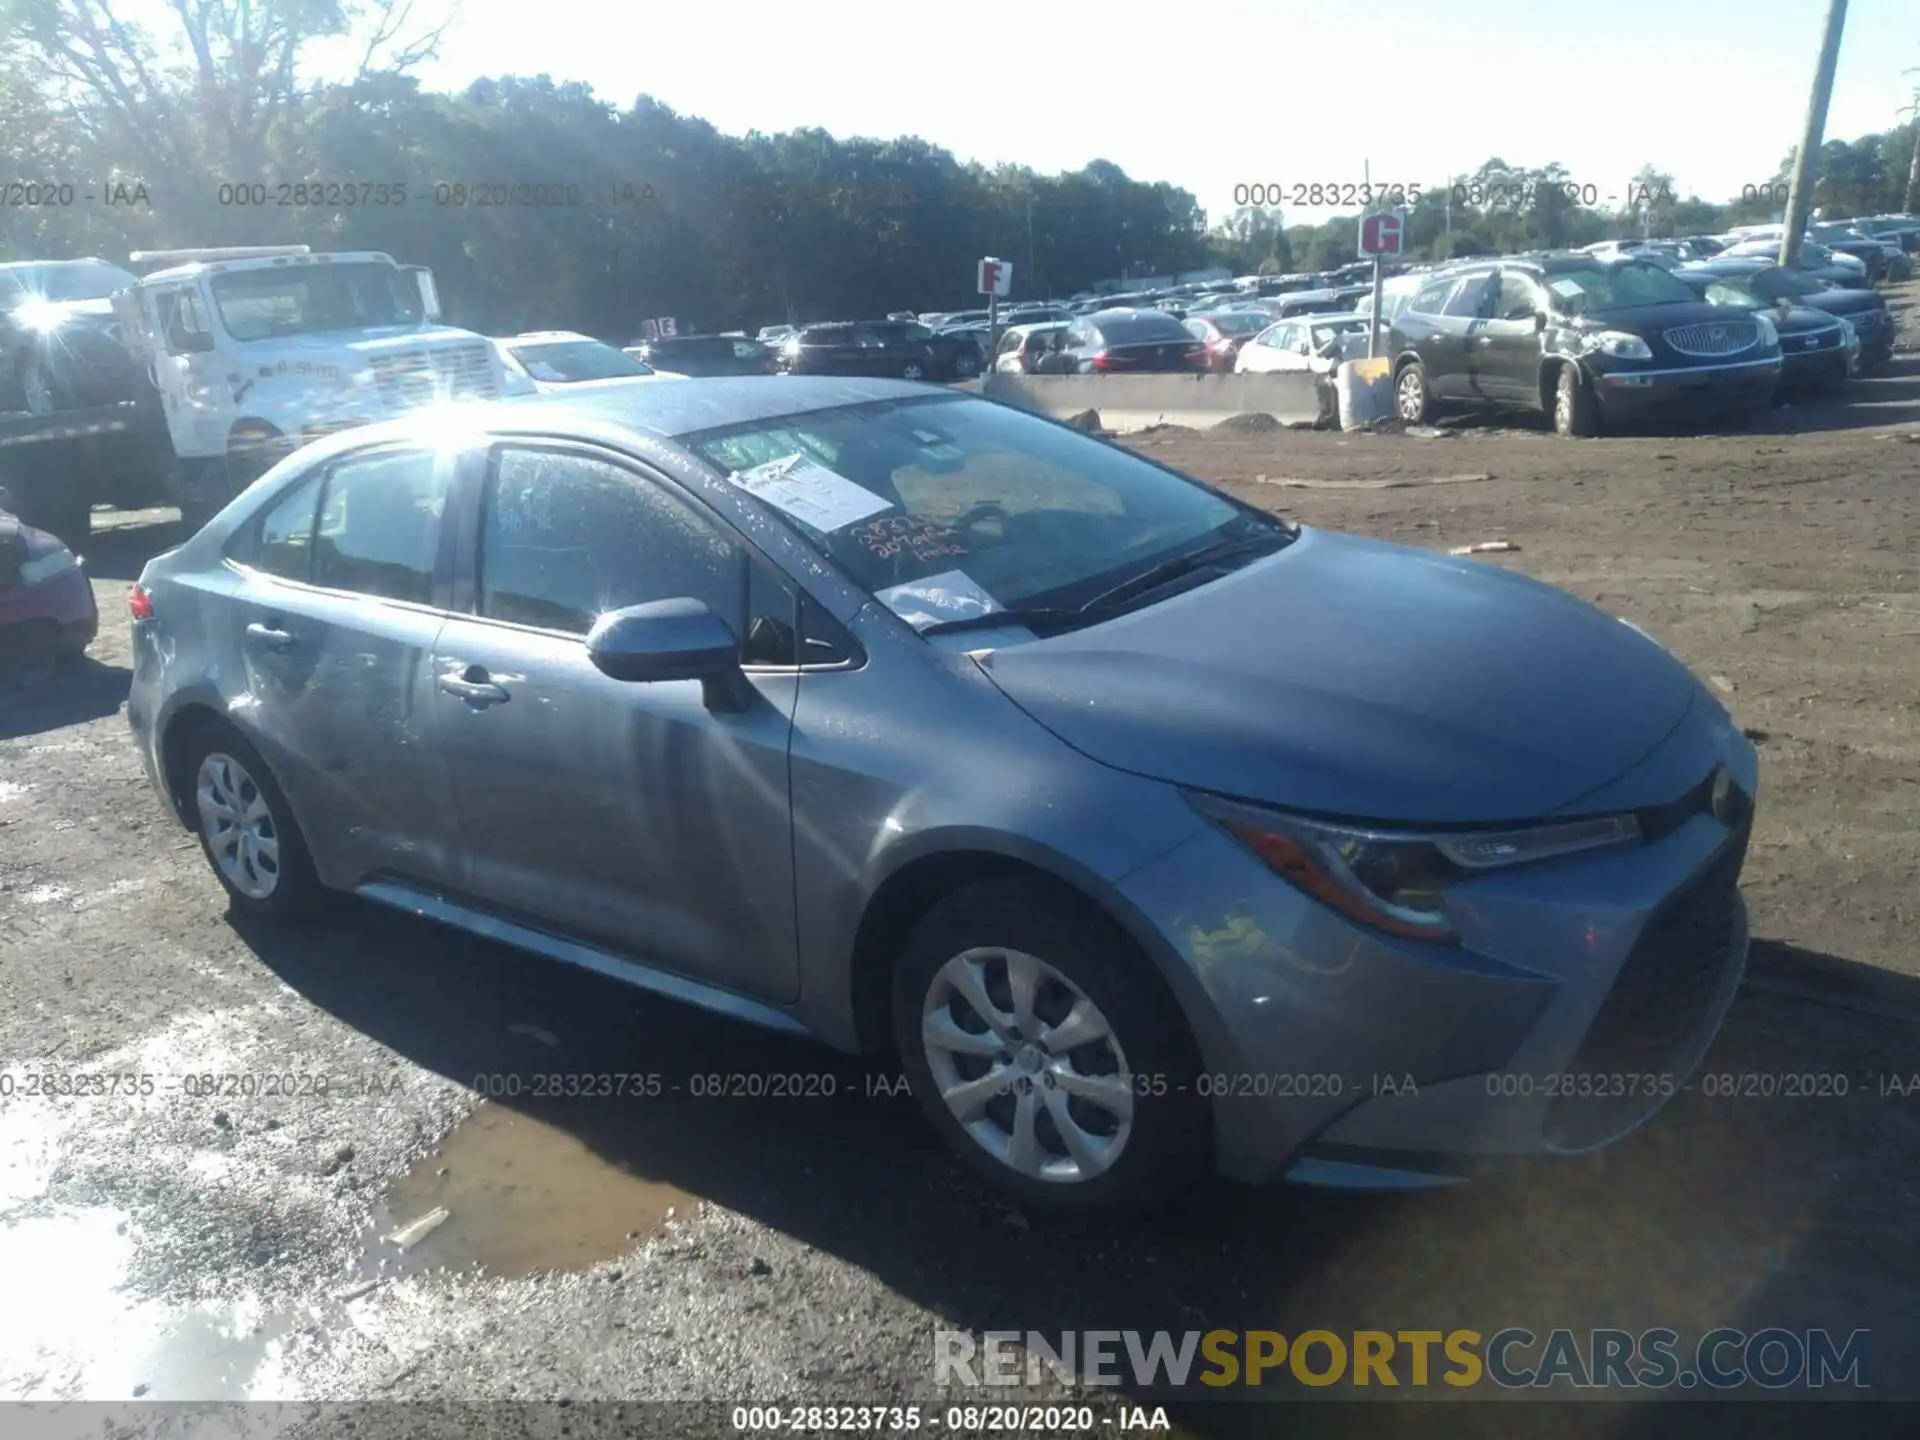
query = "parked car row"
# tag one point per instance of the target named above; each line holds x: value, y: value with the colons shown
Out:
x: 1592, y: 341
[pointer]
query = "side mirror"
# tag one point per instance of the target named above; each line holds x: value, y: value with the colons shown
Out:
x: 429, y: 292
x: 672, y: 640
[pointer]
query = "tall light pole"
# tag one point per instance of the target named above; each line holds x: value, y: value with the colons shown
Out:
x: 1800, y: 192
x: 1912, y: 195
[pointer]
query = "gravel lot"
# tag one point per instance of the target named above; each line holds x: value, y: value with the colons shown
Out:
x: 673, y: 1246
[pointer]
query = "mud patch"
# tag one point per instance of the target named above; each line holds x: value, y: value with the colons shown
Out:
x: 521, y: 1197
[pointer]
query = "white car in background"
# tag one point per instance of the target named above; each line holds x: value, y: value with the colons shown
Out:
x: 1304, y: 343
x: 547, y: 360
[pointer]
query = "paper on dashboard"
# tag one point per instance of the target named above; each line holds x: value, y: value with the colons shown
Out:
x: 950, y: 595
x: 808, y: 491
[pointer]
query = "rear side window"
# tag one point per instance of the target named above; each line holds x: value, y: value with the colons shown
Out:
x: 379, y: 525
x: 1429, y: 300
x: 283, y: 544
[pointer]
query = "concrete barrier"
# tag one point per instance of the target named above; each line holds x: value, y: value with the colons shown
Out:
x: 1133, y: 402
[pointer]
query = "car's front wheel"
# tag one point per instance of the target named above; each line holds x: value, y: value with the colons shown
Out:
x: 1046, y: 1052
x: 246, y: 829
x: 1574, y: 414
x: 1410, y: 397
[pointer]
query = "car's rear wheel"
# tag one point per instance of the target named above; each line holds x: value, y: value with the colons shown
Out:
x: 1411, y: 400
x: 1574, y: 413
x: 912, y: 370
x: 246, y: 829
x: 1046, y: 1052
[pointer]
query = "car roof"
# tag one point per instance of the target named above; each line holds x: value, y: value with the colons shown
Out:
x: 659, y: 412
x: 541, y: 336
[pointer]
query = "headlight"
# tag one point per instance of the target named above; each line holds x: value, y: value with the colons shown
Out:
x: 1849, y: 337
x: 1396, y: 880
x: 1769, y: 333
x: 39, y: 314
x: 45, y: 567
x: 1621, y: 345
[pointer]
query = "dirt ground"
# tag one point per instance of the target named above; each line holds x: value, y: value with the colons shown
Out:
x: 784, y: 1250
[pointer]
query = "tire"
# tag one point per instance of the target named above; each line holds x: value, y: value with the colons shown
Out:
x: 43, y: 389
x: 1151, y: 1140
x: 224, y: 770
x: 1412, y: 401
x: 913, y: 370
x: 1574, y: 413
x: 965, y: 366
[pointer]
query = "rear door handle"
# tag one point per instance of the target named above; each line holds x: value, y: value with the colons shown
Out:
x: 474, y: 692
x: 271, y: 636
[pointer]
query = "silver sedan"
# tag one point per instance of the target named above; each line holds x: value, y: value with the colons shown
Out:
x: 1153, y: 833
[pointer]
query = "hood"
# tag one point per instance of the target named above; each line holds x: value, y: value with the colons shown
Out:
x: 404, y: 337
x: 1355, y: 678
x: 1650, y: 319
x: 1844, y: 301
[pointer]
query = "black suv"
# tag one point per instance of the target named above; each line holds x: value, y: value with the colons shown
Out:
x: 60, y: 345
x: 880, y: 348
x: 706, y: 355
x: 1590, y: 342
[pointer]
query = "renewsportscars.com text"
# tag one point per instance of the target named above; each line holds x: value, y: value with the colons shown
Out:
x: 1511, y: 1358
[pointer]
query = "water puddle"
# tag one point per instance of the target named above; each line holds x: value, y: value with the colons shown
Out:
x: 520, y: 1197
x: 82, y: 1337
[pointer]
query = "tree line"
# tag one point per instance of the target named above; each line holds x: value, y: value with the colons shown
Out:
x: 539, y: 205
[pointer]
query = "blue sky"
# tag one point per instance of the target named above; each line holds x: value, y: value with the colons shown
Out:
x: 1216, y: 94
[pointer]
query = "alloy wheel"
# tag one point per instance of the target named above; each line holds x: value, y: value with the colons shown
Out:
x: 238, y: 826
x: 912, y: 372
x: 1028, y: 1065
x: 1411, y: 399
x: 37, y: 392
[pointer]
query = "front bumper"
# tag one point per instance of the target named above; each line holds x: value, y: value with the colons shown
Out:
x: 1813, y: 368
x: 1744, y: 384
x: 1583, y: 994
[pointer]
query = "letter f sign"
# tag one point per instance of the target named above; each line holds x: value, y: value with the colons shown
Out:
x: 990, y: 276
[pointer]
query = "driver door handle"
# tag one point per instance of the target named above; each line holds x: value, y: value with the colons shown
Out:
x: 474, y: 692
x: 269, y: 635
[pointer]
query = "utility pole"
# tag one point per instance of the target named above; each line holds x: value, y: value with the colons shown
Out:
x: 1800, y: 192
x: 1912, y: 196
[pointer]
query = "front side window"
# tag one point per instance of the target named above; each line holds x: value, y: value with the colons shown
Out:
x: 1518, y: 299
x: 1468, y: 302
x: 378, y: 531
x: 566, y: 538
x: 1028, y: 511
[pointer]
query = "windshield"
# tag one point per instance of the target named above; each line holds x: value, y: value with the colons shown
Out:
x: 79, y: 280
x: 1326, y: 330
x: 565, y: 361
x: 1782, y: 284
x: 304, y: 299
x: 1612, y: 287
x: 979, y: 498
x: 1735, y: 294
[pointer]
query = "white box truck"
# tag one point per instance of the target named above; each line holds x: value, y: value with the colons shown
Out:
x: 248, y: 353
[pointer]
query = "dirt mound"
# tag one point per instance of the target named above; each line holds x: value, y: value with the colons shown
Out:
x: 1251, y: 424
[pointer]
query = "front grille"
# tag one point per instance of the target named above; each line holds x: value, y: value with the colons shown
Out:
x: 1716, y: 337
x: 408, y: 378
x: 1653, y: 1018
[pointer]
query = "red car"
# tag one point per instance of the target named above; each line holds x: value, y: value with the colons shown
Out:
x: 1223, y: 332
x: 47, y: 610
